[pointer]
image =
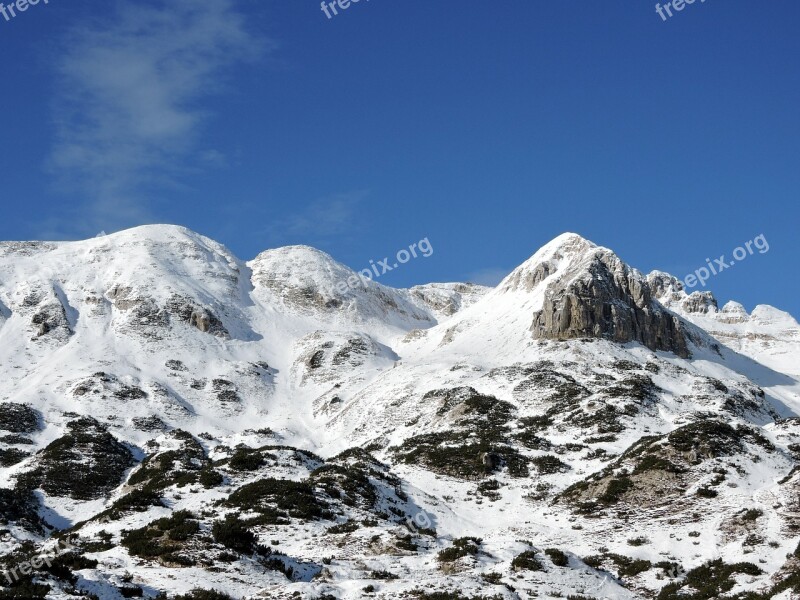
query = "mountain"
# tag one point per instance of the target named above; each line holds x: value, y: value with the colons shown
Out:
x: 283, y: 428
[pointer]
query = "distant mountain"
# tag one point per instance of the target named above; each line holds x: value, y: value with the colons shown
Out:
x: 281, y: 428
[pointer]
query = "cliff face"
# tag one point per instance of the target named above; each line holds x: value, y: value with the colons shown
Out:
x: 598, y: 296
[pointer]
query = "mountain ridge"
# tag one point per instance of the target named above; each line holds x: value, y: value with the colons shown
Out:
x: 197, y: 420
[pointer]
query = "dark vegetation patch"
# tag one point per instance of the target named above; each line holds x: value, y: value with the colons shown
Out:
x: 465, y: 546
x: 18, y: 418
x: 637, y: 387
x: 164, y: 540
x: 549, y: 465
x: 709, y: 582
x: 527, y: 561
x: 348, y: 483
x: 489, y: 488
x: 183, y: 466
x: 277, y: 501
x: 151, y: 423
x: 245, y: 459
x: 448, y: 595
x: 137, y: 500
x: 449, y: 453
x: 84, y: 464
x: 202, y: 594
x: 20, y: 507
x: 712, y: 438
x: 15, y: 438
x: 557, y: 557
x: 234, y: 534
x: 624, y: 566
x: 675, y: 455
x: 12, y: 456
x: 477, y: 446
x: 39, y: 575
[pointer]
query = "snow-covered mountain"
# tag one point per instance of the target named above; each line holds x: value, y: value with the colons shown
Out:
x: 281, y: 428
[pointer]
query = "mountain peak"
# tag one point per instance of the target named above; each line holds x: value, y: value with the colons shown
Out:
x: 586, y: 291
x: 565, y: 253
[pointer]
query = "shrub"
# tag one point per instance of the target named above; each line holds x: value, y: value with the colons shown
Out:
x: 549, y: 465
x: 25, y: 590
x: 209, y: 478
x: 12, y: 456
x: 706, y: 492
x: 752, y: 514
x: 382, y: 574
x: 638, y: 541
x: 527, y: 561
x: 200, y: 594
x: 246, y: 460
x: 348, y: 483
x: 84, y: 464
x: 630, y: 567
x: 163, y: 539
x: 234, y: 534
x: 278, y: 500
x: 615, y: 490
x: 558, y: 557
x: 465, y: 546
x: 346, y: 527
x: 18, y: 418
x: 709, y: 581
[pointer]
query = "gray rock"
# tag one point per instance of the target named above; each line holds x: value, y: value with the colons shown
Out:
x: 606, y: 299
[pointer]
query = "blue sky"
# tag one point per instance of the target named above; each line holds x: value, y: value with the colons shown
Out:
x: 488, y: 128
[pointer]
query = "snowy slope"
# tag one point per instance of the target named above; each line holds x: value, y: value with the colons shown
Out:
x: 577, y: 406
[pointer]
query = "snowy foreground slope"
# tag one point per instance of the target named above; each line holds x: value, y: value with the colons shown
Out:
x: 173, y: 419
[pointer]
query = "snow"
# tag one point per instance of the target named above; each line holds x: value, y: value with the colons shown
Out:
x: 382, y: 350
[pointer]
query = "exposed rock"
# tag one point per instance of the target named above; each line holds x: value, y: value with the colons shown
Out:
x: 446, y: 299
x: 601, y: 297
x: 202, y: 318
x: 669, y: 290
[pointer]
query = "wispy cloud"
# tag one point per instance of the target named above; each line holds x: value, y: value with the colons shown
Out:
x: 129, y: 105
x: 335, y: 216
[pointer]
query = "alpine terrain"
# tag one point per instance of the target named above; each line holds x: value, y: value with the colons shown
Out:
x: 177, y: 422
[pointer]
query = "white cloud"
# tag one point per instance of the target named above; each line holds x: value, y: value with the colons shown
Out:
x: 128, y: 108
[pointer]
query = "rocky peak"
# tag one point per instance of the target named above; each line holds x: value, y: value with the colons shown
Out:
x: 670, y: 292
x: 590, y: 293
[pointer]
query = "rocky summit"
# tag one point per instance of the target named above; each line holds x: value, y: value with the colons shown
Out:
x: 176, y: 422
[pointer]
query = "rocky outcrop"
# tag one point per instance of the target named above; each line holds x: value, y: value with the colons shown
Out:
x: 48, y: 315
x: 671, y: 293
x: 5, y: 313
x: 185, y: 310
x: 598, y: 296
x: 446, y: 299
x: 144, y: 311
